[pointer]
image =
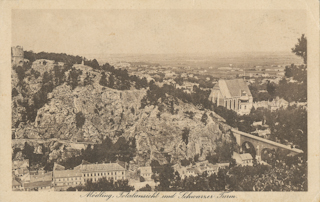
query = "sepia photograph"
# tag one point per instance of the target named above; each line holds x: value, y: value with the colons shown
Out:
x: 159, y: 100
x: 121, y: 101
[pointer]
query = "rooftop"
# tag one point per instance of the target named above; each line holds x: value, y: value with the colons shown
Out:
x: 246, y: 156
x: 18, y: 163
x: 102, y: 167
x: 146, y: 169
x: 67, y: 173
x: 37, y: 184
x: 15, y: 182
x: 235, y: 86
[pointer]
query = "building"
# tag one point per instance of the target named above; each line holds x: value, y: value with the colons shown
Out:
x: 273, y: 105
x: 20, y: 167
x: 146, y: 172
x: 199, y: 168
x: 96, y: 171
x: 17, y: 55
x: 40, y: 175
x: 16, y: 186
x: 243, y: 159
x: 38, y: 186
x: 233, y: 94
x: 66, y: 178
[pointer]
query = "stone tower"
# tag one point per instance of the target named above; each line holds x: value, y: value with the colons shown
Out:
x: 17, y: 55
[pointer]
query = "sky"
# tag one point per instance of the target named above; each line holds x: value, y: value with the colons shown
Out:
x: 98, y: 32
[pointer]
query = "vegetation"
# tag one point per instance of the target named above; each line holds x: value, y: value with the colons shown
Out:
x: 80, y: 119
x: 107, y: 151
x: 104, y: 185
x: 146, y: 188
x: 285, y: 175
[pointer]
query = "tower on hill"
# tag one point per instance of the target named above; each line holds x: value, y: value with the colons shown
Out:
x: 17, y: 55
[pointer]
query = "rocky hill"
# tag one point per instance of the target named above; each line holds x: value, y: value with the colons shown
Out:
x: 88, y: 113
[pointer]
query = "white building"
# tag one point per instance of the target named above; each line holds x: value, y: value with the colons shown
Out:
x: 243, y: 159
x: 146, y: 172
x: 232, y: 94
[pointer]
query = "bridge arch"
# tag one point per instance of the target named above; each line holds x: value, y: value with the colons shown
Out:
x: 248, y: 147
x: 260, y: 144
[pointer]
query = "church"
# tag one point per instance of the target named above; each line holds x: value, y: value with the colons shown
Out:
x: 233, y: 94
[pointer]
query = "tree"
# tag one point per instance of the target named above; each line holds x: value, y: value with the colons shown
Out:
x: 105, y: 185
x: 300, y: 48
x: 185, y: 162
x: 94, y: 64
x: 166, y: 177
x: 80, y: 119
x: 103, y: 80
x: 271, y: 88
x: 111, y: 81
x: 185, y: 135
x: 142, y: 179
x: 204, y: 118
x: 146, y: 188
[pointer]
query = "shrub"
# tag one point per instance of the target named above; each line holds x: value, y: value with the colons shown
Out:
x: 80, y: 119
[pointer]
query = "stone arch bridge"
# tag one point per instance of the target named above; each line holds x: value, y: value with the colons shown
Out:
x: 260, y: 144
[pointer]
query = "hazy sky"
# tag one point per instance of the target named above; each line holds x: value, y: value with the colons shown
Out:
x: 156, y: 31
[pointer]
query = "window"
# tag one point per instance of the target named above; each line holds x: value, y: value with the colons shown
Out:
x: 94, y: 174
x: 122, y: 173
x: 98, y: 174
x: 108, y: 173
x: 91, y: 174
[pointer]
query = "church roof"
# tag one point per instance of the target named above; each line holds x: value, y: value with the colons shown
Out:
x: 232, y: 88
x: 235, y: 86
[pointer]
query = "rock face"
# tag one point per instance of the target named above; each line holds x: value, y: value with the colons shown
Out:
x: 90, y: 113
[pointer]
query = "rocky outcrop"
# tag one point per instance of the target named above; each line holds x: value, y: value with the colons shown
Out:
x: 92, y: 112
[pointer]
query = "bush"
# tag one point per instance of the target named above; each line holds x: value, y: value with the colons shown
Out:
x: 14, y: 92
x: 80, y: 119
x: 142, y: 179
x: 185, y: 162
x: 146, y: 188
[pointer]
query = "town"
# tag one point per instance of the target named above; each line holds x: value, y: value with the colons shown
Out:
x: 237, y: 109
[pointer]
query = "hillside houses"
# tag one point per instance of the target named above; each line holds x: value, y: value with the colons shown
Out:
x: 272, y: 105
x: 199, y: 168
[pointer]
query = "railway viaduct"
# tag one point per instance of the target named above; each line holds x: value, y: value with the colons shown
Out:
x: 260, y: 144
